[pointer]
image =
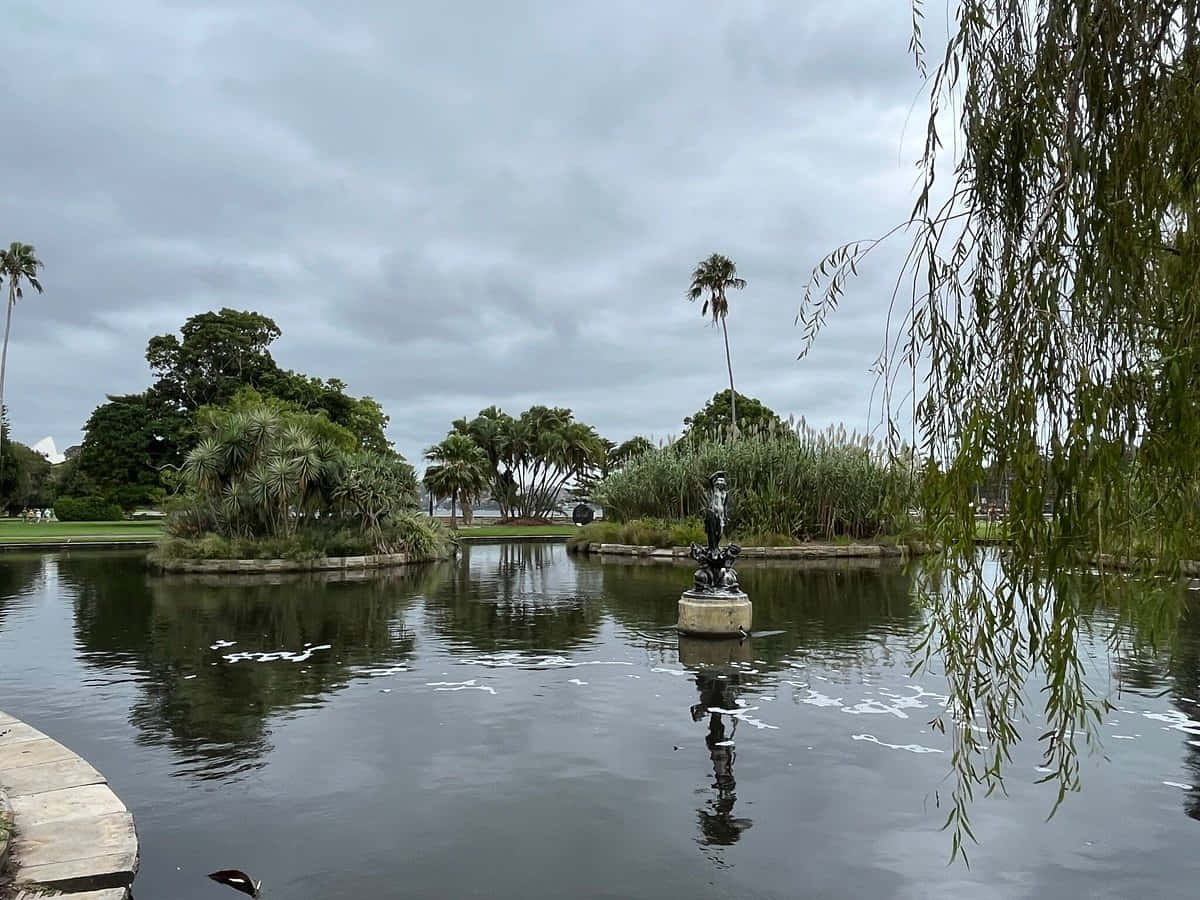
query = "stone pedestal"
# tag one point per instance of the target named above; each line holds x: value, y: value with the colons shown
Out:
x: 714, y: 615
x: 707, y: 653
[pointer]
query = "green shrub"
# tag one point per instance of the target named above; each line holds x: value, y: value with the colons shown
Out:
x: 86, y: 509
x: 797, y: 483
x: 415, y: 534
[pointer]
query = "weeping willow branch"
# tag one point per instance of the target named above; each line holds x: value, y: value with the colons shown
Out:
x: 1055, y: 305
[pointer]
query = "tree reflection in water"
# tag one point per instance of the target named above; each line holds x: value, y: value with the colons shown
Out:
x: 518, y: 596
x: 1003, y: 633
x: 18, y: 574
x: 217, y: 714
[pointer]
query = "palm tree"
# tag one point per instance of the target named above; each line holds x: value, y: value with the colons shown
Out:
x: 18, y: 264
x: 460, y: 472
x: 714, y: 276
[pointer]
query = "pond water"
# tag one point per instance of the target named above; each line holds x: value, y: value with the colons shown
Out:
x: 524, y: 723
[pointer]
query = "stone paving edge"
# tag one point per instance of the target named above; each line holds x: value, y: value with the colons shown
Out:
x: 69, y: 832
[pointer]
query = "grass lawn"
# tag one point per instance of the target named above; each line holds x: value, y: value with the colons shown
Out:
x: 517, y: 531
x: 991, y: 531
x: 15, y: 531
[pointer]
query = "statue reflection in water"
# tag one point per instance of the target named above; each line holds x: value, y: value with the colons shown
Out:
x: 718, y: 825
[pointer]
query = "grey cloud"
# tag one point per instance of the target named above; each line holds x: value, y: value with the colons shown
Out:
x: 459, y: 205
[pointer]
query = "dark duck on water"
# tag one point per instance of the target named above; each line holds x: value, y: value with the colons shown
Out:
x: 237, y: 880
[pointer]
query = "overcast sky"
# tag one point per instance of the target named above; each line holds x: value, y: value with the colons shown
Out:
x: 454, y: 205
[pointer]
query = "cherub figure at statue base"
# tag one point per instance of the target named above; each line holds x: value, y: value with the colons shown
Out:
x: 716, y: 572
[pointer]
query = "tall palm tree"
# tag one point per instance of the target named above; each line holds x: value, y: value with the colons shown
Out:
x: 18, y: 263
x: 714, y: 276
x: 460, y: 472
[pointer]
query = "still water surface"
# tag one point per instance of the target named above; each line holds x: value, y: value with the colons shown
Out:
x: 523, y: 723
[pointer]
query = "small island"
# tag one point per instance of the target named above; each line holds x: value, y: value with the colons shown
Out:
x: 272, y: 487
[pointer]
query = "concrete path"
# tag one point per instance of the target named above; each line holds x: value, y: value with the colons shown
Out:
x: 71, y: 833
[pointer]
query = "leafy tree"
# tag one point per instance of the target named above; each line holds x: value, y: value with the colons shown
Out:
x: 128, y: 442
x: 1054, y: 323
x: 259, y: 472
x: 713, y: 419
x: 362, y: 416
x: 34, y: 483
x: 714, y: 276
x: 631, y: 449
x: 10, y: 464
x: 217, y: 353
x: 18, y: 264
x: 459, y: 473
x: 532, y: 458
x: 374, y: 487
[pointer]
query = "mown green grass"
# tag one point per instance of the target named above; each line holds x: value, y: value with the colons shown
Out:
x: 16, y: 531
x: 517, y: 531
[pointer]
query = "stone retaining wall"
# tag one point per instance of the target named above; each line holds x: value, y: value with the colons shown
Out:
x: 324, y: 564
x: 804, y: 551
x: 71, y: 833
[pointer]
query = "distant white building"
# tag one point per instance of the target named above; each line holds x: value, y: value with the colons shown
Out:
x: 46, y: 447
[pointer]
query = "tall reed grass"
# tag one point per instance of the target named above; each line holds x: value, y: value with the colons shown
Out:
x: 793, y: 481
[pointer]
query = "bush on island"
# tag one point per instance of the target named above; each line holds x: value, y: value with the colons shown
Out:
x: 269, y: 481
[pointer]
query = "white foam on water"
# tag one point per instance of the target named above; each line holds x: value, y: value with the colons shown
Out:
x: 221, y: 645
x: 1044, y: 770
x: 1123, y: 737
x: 1180, y: 785
x: 576, y: 681
x: 1175, y: 720
x: 275, y: 656
x: 910, y: 748
x: 768, y: 699
x: 663, y: 671
x: 385, y: 690
x: 380, y: 673
x: 816, y: 698
x: 633, y: 676
x: 873, y: 707
x: 742, y: 714
x: 188, y: 677
x: 468, y: 685
x: 757, y: 723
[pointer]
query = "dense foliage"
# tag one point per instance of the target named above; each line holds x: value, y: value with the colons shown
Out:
x: 639, y: 532
x: 458, y: 472
x: 1055, y: 308
x: 532, y: 458
x: 792, y: 482
x: 268, y: 479
x: 133, y: 443
x: 86, y: 509
x: 753, y: 417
